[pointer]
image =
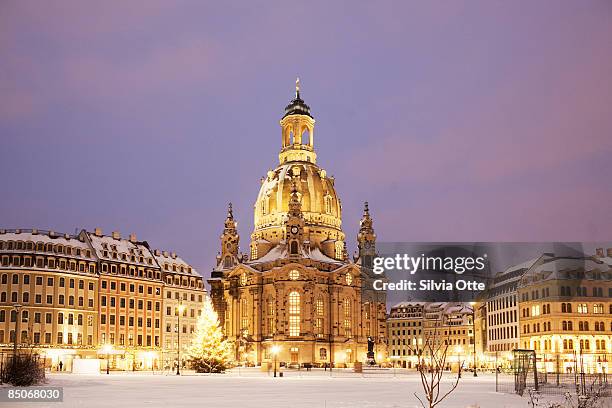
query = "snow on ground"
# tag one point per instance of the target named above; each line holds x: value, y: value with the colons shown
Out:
x: 250, y: 388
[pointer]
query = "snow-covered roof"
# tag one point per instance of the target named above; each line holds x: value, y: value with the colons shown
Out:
x: 171, y: 262
x: 121, y: 250
x: 568, y: 268
x: 523, y: 265
x: 280, y: 252
x: 35, y: 237
x: 442, y: 308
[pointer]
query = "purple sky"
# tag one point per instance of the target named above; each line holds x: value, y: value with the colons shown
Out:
x: 457, y: 121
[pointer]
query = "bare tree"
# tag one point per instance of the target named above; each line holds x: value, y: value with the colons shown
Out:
x: 432, y: 362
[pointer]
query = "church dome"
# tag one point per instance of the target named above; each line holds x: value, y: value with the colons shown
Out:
x: 320, y: 205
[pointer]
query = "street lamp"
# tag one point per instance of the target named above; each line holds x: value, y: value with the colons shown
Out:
x: 275, y: 350
x: 180, y: 308
x: 107, y: 349
x: 459, y: 362
x: 473, y: 304
x: 17, y: 308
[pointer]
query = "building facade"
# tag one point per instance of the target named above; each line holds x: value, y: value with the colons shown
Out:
x: 75, y: 295
x: 558, y: 306
x: 297, y: 289
x: 414, y: 325
x: 565, y: 306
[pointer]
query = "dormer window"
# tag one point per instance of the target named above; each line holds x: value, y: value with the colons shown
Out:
x: 328, y: 204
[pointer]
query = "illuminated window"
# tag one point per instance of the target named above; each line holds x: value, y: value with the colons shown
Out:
x: 320, y: 308
x: 598, y: 308
x: 349, y: 279
x: 294, y: 314
x: 328, y: 204
x: 244, y: 310
x: 294, y: 275
x: 271, y: 316
x: 535, y: 310
x: 339, y: 249
x: 243, y: 279
x: 583, y: 308
x: 348, y: 329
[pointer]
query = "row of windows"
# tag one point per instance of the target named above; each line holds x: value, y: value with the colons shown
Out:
x: 502, y: 333
x: 406, y: 324
x: 176, y: 328
x: 566, y: 291
x: 568, y: 344
x: 112, y: 319
x: 61, y: 299
x: 192, y: 312
x: 502, y: 303
x: 112, y: 302
x: 502, y: 347
x: 49, y: 263
x: 509, y: 316
x: 41, y: 247
x: 581, y: 308
x: 39, y: 281
x: 130, y: 271
x: 62, y: 338
x: 185, y: 296
x: 566, y: 325
x: 139, y: 340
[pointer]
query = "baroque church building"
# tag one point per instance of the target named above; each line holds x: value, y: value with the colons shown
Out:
x: 296, y: 293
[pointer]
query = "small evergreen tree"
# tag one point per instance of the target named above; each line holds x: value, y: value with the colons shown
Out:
x: 209, y: 351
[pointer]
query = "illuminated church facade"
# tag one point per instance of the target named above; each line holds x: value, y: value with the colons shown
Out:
x: 297, y: 294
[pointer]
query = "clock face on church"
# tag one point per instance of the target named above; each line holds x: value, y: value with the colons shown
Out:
x: 294, y: 230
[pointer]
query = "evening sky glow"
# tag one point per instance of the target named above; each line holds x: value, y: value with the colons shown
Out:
x: 478, y: 121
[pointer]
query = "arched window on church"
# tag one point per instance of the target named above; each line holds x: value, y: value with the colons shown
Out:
x: 293, y: 248
x: 348, y: 321
x: 271, y: 316
x: 244, y: 312
x: 305, y: 138
x: 319, y: 320
x: 227, y: 261
x: 294, y: 313
x: 328, y: 204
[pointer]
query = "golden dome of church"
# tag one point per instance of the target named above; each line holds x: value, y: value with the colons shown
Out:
x: 297, y: 289
x: 320, y: 205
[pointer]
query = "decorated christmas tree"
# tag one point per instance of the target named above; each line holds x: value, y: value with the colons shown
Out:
x: 209, y: 351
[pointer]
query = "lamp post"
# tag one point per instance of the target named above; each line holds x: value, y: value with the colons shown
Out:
x: 459, y: 362
x: 275, y: 350
x: 180, y: 308
x: 473, y: 304
x: 17, y: 308
x: 107, y: 349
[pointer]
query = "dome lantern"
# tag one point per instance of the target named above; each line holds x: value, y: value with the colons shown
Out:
x: 297, y: 131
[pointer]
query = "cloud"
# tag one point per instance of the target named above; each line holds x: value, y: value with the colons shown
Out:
x: 165, y: 69
x: 541, y: 121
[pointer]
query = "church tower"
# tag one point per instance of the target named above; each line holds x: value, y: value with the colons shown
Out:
x: 228, y: 257
x: 366, y: 239
x: 294, y: 227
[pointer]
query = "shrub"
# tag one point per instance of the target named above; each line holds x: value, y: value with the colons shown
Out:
x: 23, y: 371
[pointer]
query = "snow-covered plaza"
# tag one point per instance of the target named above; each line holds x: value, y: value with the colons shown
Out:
x: 251, y: 388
